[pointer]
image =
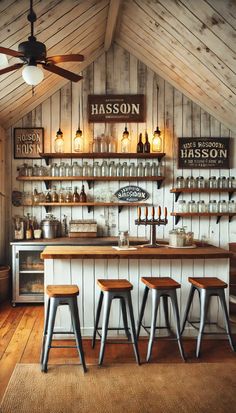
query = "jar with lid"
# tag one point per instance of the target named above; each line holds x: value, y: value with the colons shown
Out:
x: 180, y: 182
x: 192, y: 207
x: 68, y: 170
x: 68, y: 195
x: 222, y: 182
x: 132, y: 169
x: 61, y: 197
x: 62, y: 169
x: 232, y: 206
x: 200, y: 181
x: 189, y: 238
x: 213, y: 182
x: 112, y: 169
x: 54, y: 194
x: 22, y: 170
x: 54, y: 170
x: 96, y: 169
x: 104, y: 168
x: 140, y: 169
x: 182, y: 206
x: 201, y: 206
x: 147, y: 169
x: 190, y: 182
x: 231, y: 182
x: 124, y: 170
x: 212, y: 206
x: 177, y: 237
x: 123, y: 241
x: 222, y: 206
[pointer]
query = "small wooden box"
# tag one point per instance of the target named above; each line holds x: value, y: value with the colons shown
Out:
x: 82, y: 228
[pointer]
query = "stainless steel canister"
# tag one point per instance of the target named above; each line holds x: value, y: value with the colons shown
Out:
x: 50, y: 227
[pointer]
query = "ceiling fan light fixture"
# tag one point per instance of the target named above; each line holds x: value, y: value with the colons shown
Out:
x: 32, y: 75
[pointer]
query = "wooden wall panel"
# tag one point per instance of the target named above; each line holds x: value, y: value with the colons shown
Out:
x: 117, y: 71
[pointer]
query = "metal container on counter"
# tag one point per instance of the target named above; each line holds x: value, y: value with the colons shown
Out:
x: 50, y: 227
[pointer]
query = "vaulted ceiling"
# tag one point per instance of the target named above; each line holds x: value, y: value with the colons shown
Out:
x: 191, y: 44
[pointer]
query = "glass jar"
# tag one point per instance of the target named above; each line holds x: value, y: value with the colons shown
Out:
x: 76, y: 169
x: 222, y: 206
x: 68, y: 169
x: 140, y: 169
x: 231, y: 182
x: 222, y: 182
x: 29, y: 170
x: 112, y: 146
x: 154, y: 169
x: 68, y: 195
x: 132, y: 169
x: 177, y: 237
x: 147, y: 169
x: 201, y: 206
x: 104, y: 168
x: 232, y: 206
x: 180, y: 182
x: 212, y: 206
x: 62, y: 169
x: 96, y: 169
x: 123, y: 241
x: 190, y: 182
x: 54, y: 195
x: 200, y: 181
x: 54, y: 170
x: 35, y: 170
x: 192, y: 207
x: 104, y: 145
x: 97, y: 144
x: 182, y: 206
x: 189, y: 238
x: 213, y: 182
x: 112, y: 169
x: 124, y: 169
x: 78, y: 143
x: 85, y: 169
x: 61, y: 196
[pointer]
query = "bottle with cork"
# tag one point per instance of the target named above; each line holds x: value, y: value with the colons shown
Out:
x: 83, y: 196
x: 140, y: 144
x: 146, y: 146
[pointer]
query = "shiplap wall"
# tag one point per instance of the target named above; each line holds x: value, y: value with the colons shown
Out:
x: 117, y: 71
x: 3, y: 228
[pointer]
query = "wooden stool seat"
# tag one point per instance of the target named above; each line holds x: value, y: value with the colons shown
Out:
x: 161, y: 283
x: 115, y: 285
x: 207, y: 282
x: 62, y: 290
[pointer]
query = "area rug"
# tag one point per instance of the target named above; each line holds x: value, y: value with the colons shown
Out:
x: 126, y: 388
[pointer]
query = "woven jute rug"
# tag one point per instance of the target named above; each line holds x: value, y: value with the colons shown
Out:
x: 126, y: 388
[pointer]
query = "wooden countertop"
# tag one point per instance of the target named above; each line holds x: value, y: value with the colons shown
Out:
x: 75, y: 252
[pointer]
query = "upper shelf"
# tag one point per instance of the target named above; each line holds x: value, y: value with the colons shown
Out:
x: 178, y: 191
x: 91, y: 155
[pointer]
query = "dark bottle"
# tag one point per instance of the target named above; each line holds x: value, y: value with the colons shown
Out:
x: 140, y: 144
x: 146, y: 147
x: 83, y: 196
x: 76, y: 196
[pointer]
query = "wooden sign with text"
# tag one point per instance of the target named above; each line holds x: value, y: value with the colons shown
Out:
x: 116, y: 108
x: 132, y: 193
x: 202, y: 153
x: 28, y: 143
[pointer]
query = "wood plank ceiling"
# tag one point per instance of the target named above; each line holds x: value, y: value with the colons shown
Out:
x: 189, y: 43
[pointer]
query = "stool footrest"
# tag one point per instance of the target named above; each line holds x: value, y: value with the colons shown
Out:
x: 62, y: 346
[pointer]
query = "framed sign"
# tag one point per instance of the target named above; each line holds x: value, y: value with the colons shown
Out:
x: 28, y: 142
x: 116, y: 108
x: 131, y: 193
x: 202, y: 153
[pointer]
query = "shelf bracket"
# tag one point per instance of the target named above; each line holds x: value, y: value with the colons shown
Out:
x: 120, y: 208
x: 47, y: 184
x: 177, y: 218
x: 230, y: 218
x: 48, y: 208
x: 159, y: 184
x: 90, y: 184
x: 177, y: 194
x: 47, y: 160
x: 90, y: 208
x: 230, y: 195
x: 218, y: 218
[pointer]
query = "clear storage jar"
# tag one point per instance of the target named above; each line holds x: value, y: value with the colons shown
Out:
x: 212, y: 206
x: 182, y: 206
x: 123, y: 241
x: 201, y: 206
x: 190, y: 182
x: 213, y: 182
x: 222, y: 206
x: 180, y: 182
x: 200, y: 181
x: 192, y: 206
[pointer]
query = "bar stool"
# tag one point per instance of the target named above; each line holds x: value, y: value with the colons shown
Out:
x: 164, y: 287
x: 110, y: 290
x: 61, y: 295
x: 207, y: 287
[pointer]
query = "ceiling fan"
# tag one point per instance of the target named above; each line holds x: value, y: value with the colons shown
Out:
x: 34, y: 53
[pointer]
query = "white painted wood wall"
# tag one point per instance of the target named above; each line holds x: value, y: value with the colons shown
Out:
x: 117, y: 71
x: 3, y: 186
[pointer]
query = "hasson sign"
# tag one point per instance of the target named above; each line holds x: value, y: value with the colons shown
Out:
x: 116, y: 108
x: 198, y: 153
x: 132, y: 193
x: 28, y: 142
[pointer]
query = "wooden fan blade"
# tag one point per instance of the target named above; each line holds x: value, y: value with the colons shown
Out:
x: 11, y: 68
x: 10, y: 52
x: 62, y: 72
x: 65, y: 58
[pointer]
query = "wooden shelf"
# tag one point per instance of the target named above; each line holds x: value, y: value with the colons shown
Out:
x: 90, y: 205
x: 102, y: 155
x: 90, y: 179
x: 178, y: 191
x: 218, y: 215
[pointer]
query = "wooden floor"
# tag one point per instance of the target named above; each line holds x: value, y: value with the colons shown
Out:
x: 20, y: 342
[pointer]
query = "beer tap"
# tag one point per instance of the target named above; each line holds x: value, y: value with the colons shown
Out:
x: 153, y: 222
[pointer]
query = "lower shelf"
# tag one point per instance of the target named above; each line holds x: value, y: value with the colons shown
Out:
x: 218, y: 215
x: 90, y: 205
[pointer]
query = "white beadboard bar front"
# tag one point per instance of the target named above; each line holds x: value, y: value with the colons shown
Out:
x: 74, y: 269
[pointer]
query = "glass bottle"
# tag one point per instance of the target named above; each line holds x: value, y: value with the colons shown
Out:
x: 147, y: 169
x: 201, y: 206
x: 59, y: 142
x: 62, y: 169
x: 125, y: 141
x: 35, y: 170
x: 61, y: 197
x: 112, y: 169
x: 48, y: 197
x: 140, y: 144
x: 104, y: 145
x: 64, y: 226
x: 154, y: 169
x: 140, y: 169
x: 54, y: 195
x: 96, y: 144
x: 68, y: 170
x: 68, y: 196
x: 118, y: 169
x: 76, y: 196
x: 76, y: 169
x: 54, y: 170
x: 212, y: 182
x: 157, y: 141
x: 78, y: 143
x: 132, y: 169
x: 213, y: 207
x: 124, y: 169
x: 112, y: 146
x: 104, y: 168
x: 29, y: 229
x: 85, y: 169
x: 96, y: 169
x: 83, y: 196
x: 192, y: 207
x: 146, y: 146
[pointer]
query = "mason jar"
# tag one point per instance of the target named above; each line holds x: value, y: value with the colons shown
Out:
x: 140, y: 170
x: 180, y: 182
x: 201, y: 206
x: 192, y: 207
x: 222, y: 182
x: 190, y: 182
x: 213, y: 182
x: 96, y: 169
x: 231, y: 182
x: 200, y: 181
x: 154, y: 169
x: 222, y: 206
x: 182, y: 206
x: 212, y: 206
x: 232, y: 206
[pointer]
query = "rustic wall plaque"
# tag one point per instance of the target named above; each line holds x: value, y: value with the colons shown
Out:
x: 28, y: 142
x: 132, y: 194
x: 116, y: 108
x: 201, y: 153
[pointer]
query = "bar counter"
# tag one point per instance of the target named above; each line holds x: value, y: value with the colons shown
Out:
x: 83, y: 265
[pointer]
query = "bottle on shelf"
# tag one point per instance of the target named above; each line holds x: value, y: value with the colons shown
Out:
x: 76, y: 196
x: 112, y: 145
x: 125, y: 141
x: 54, y: 195
x: 83, y: 196
x: 48, y: 197
x: 76, y: 169
x: 146, y: 146
x: 64, y: 226
x: 104, y: 145
x: 61, y: 197
x: 62, y: 169
x: 104, y: 168
x: 96, y: 144
x: 68, y: 196
x: 140, y: 144
x: 97, y: 169
x: 29, y: 229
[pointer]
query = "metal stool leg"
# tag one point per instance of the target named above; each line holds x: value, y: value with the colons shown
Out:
x: 51, y: 322
x: 106, y: 313
x: 175, y: 307
x: 124, y: 315
x: 155, y: 304
x: 45, y: 331
x: 226, y: 317
x: 97, y: 319
x: 132, y: 323
x: 204, y: 297
x: 76, y: 326
x: 166, y: 311
x: 189, y: 302
x: 140, y: 319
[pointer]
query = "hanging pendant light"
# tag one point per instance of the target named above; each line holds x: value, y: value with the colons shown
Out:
x: 157, y: 141
x: 78, y: 143
x: 125, y: 141
x: 59, y: 142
